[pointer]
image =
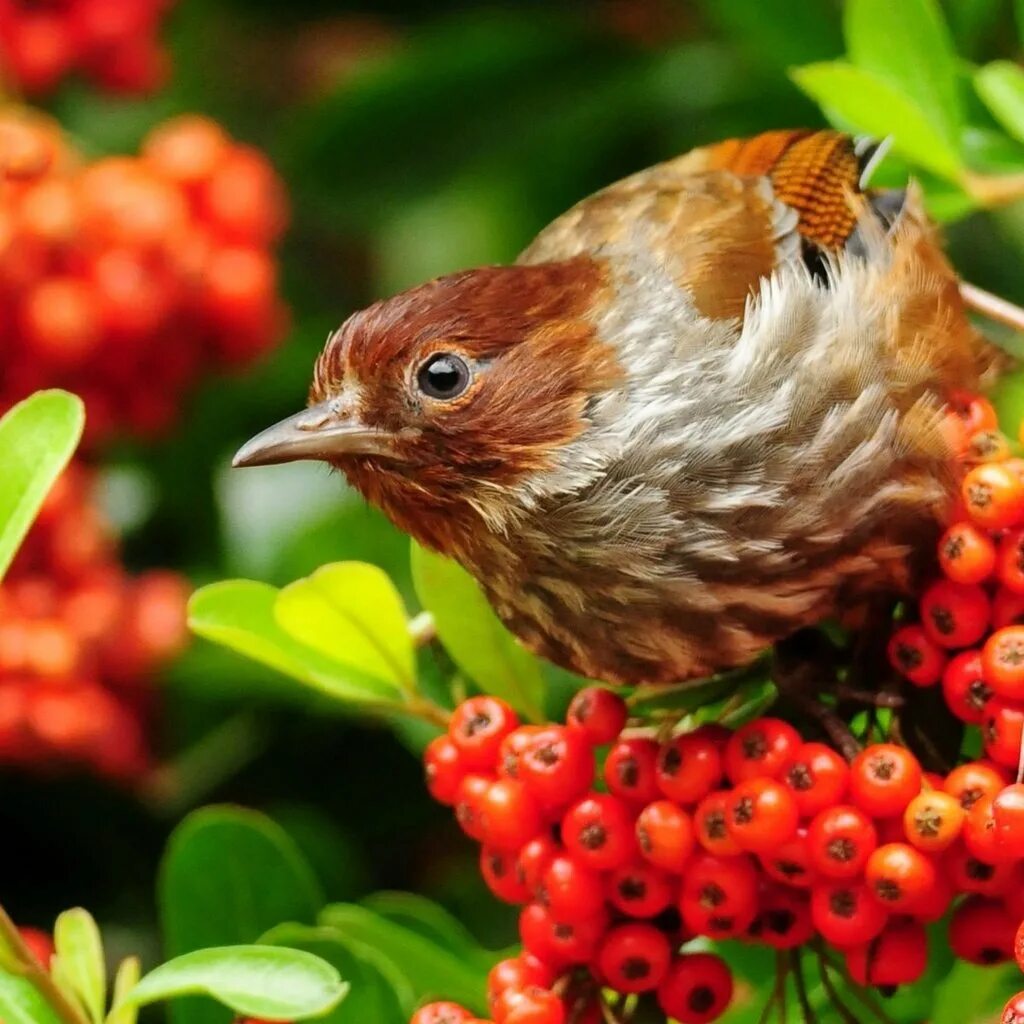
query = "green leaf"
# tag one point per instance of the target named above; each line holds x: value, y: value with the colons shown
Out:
x: 856, y: 99
x: 128, y: 974
x: 1001, y: 86
x: 431, y: 970
x: 229, y: 875
x: 80, y: 960
x: 269, y: 982
x: 21, y: 1003
x: 37, y: 437
x: 352, y: 613
x: 474, y: 636
x: 240, y: 615
x: 907, y: 45
x: 379, y: 991
x: 433, y: 922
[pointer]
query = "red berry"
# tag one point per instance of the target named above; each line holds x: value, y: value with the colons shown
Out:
x: 917, y: 657
x: 519, y: 972
x: 883, y: 779
x: 468, y: 803
x: 689, y: 767
x: 719, y: 896
x: 791, y: 863
x: 955, y: 614
x: 499, y: 871
x: 641, y: 890
x: 508, y: 816
x: 665, y: 835
x: 534, y: 858
x: 1002, y: 732
x: 783, y: 919
x: 630, y: 770
x: 634, y: 958
x: 993, y: 496
x: 1013, y: 1012
x: 512, y: 748
x: 557, y: 765
x: 1018, y: 947
x: 968, y: 783
x: 761, y: 815
x: 599, y: 713
x: 444, y: 769
x: 968, y: 873
x: 967, y: 554
x: 712, y: 831
x: 760, y: 748
x: 39, y: 944
x: 599, y: 832
x: 982, y: 932
x: 697, y: 988
x: 570, y: 890
x: 1002, y: 660
x: 1008, y: 812
x: 817, y: 777
x: 532, y: 1005
x: 899, y: 956
x: 964, y: 687
x: 846, y: 913
x: 558, y: 943
x: 1007, y: 608
x: 933, y: 820
x: 899, y: 875
x: 840, y: 840
x: 441, y: 1013
x: 477, y: 727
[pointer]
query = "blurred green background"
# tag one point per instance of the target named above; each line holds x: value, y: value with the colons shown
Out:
x: 415, y: 138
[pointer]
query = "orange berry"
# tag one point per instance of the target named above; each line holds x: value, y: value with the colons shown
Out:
x: 974, y: 412
x: 933, y: 821
x: 187, y: 149
x: 967, y: 554
x: 994, y: 496
x: 60, y: 320
x: 1002, y: 662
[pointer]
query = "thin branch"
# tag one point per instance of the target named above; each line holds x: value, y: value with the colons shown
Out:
x: 858, y: 991
x: 34, y: 973
x: 992, y: 307
x: 840, y: 1007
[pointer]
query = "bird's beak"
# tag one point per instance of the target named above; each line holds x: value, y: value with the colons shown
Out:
x: 323, y: 431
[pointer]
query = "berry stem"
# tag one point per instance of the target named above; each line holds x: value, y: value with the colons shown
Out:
x: 826, y: 982
x: 857, y: 991
x: 796, y: 964
x: 29, y: 968
x: 426, y: 709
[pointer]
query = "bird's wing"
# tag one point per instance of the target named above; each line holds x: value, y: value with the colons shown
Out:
x: 725, y: 216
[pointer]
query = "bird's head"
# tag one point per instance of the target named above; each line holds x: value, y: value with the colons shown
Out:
x: 436, y: 403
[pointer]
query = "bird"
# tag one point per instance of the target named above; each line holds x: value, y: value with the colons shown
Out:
x: 705, y: 409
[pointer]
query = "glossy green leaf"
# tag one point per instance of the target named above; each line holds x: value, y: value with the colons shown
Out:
x: 474, y: 636
x: 80, y: 957
x: 37, y: 437
x: 21, y: 1003
x: 432, y: 970
x: 856, y: 99
x: 1001, y: 85
x: 227, y: 877
x: 273, y: 983
x: 129, y: 972
x: 378, y: 990
x: 239, y: 614
x: 352, y: 613
x: 433, y: 922
x: 907, y: 45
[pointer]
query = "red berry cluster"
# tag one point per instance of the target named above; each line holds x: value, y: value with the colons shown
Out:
x: 752, y: 834
x: 122, y: 279
x: 80, y: 640
x: 112, y: 42
x: 969, y: 638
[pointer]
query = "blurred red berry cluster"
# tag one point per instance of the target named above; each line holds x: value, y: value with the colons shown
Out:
x: 80, y: 640
x: 124, y: 278
x: 114, y: 43
x: 751, y: 834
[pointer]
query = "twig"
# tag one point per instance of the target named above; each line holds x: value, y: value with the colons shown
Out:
x: 33, y: 972
x: 858, y: 991
x: 423, y: 629
x: 992, y: 306
x: 781, y: 977
x: 797, y: 969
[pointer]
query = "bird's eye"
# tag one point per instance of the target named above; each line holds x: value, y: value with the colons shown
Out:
x: 443, y: 376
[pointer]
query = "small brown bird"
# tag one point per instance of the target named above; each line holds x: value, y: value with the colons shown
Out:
x: 704, y: 409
